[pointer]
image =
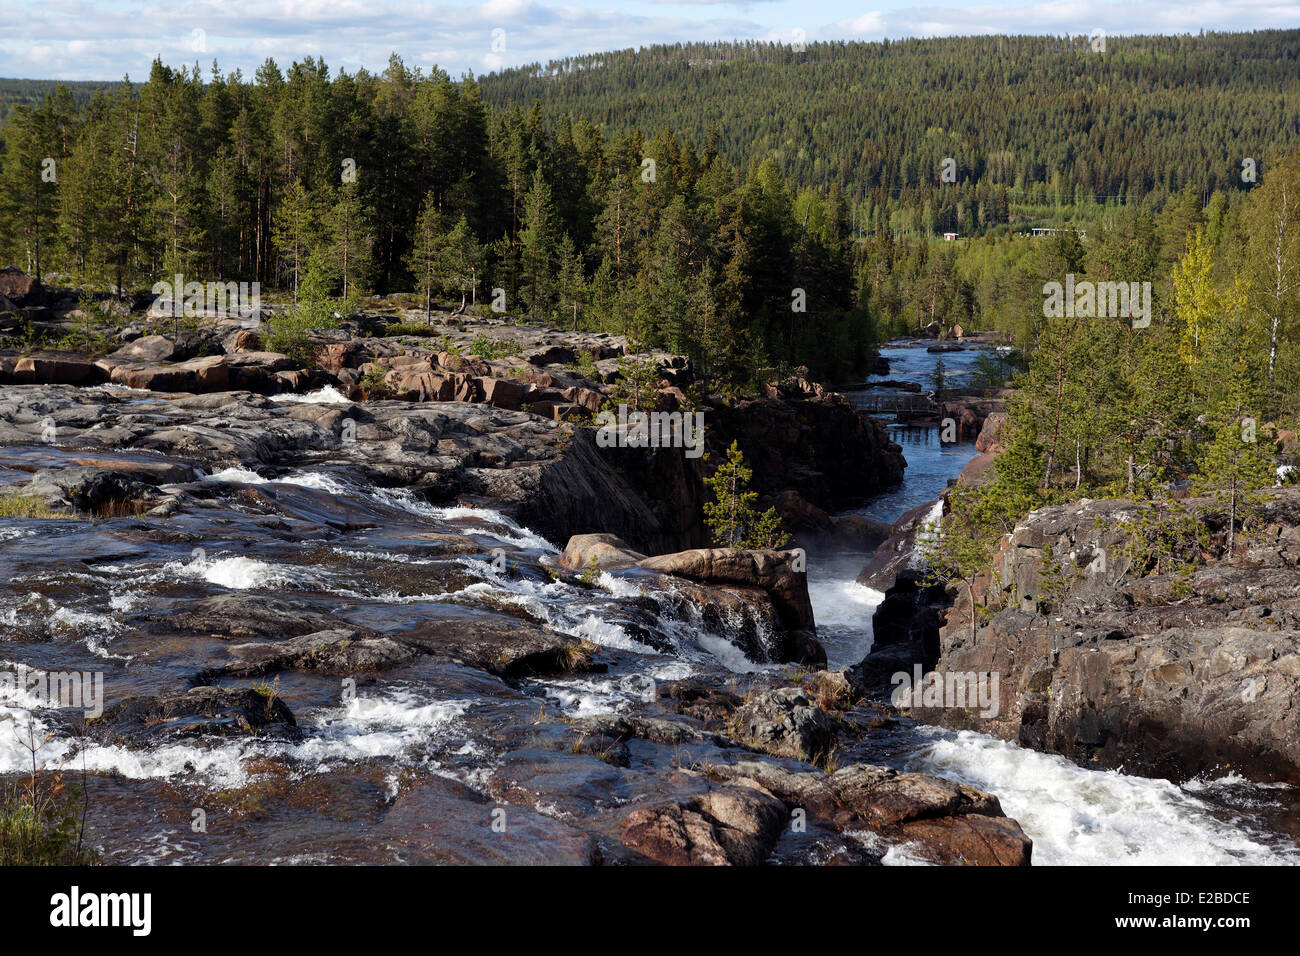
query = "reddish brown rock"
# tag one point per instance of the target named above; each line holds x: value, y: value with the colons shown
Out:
x: 991, y: 434
x: 39, y: 370
x: 610, y: 552
x: 20, y: 288
x: 732, y: 826
x: 502, y: 393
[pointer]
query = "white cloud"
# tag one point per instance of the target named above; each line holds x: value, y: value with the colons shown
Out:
x: 101, y: 39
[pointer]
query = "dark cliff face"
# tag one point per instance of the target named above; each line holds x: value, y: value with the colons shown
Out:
x: 1171, y: 674
x: 821, y: 448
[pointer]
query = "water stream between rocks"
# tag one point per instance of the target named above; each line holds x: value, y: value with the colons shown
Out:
x: 109, y: 597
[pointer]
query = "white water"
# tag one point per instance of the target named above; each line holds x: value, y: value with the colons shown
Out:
x: 1080, y: 816
x: 393, y: 723
x: 329, y: 395
x: 1074, y: 815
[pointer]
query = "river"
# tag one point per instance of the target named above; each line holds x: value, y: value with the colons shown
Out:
x: 104, y: 597
x: 1074, y: 815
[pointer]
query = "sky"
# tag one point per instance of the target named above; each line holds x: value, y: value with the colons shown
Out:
x: 105, y: 39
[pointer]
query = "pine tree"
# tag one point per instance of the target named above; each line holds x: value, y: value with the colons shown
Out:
x: 538, y: 242
x: 572, y: 282
x: 1235, y: 462
x: 426, y: 260
x: 294, y: 230
x: 730, y: 515
x: 351, y: 241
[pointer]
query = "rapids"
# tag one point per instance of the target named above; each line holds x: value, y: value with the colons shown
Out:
x: 99, y: 597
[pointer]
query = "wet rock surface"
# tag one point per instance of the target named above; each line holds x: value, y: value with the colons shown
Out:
x: 1170, y: 673
x: 201, y: 711
x: 341, y: 622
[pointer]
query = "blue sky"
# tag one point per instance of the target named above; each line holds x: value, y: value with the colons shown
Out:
x: 103, y: 39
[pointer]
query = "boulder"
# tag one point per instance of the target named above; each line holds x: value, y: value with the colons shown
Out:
x: 786, y: 722
x: 87, y: 488
x: 337, y: 651
x: 502, y: 393
x: 255, y: 371
x: 340, y: 355
x: 771, y: 571
x: 21, y: 289
x: 736, y: 825
x: 501, y: 646
x: 208, y: 374
x: 610, y: 552
x: 990, y: 436
x: 40, y: 370
x: 941, y: 821
x: 161, y: 348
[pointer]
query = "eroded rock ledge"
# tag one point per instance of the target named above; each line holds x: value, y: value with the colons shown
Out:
x: 1169, y: 674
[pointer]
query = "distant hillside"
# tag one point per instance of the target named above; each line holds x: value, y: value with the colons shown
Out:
x: 1146, y: 116
x: 33, y: 92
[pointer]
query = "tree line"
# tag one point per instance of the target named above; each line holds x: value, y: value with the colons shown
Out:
x: 363, y: 183
x: 1033, y: 125
x: 1202, y: 396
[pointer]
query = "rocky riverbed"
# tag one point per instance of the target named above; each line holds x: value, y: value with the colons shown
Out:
x: 343, y: 614
x: 334, y: 624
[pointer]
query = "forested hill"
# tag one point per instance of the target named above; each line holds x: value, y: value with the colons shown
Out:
x: 1148, y: 115
x: 32, y: 93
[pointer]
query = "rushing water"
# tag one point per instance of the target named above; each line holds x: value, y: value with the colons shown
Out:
x: 98, y: 597
x: 1074, y: 815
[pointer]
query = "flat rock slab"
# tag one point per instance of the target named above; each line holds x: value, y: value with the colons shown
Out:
x: 244, y: 616
x: 444, y: 822
x: 501, y: 646
x: 338, y: 651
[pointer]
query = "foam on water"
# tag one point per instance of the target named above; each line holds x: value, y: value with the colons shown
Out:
x: 599, y: 631
x: 491, y: 523
x: 925, y: 533
x: 318, y: 481
x: 237, y: 573
x: 1079, y: 816
x: 392, y: 724
x: 329, y: 395
x: 236, y: 475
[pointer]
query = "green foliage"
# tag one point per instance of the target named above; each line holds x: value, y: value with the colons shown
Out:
x: 314, y: 311
x: 13, y: 505
x: 1164, y: 537
x: 41, y: 822
x: 1030, y: 148
x: 40, y: 830
x: 637, y: 385
x: 591, y: 572
x: 490, y: 349
x: 960, y: 545
x: 585, y: 365
x: 995, y: 369
x: 730, y: 515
